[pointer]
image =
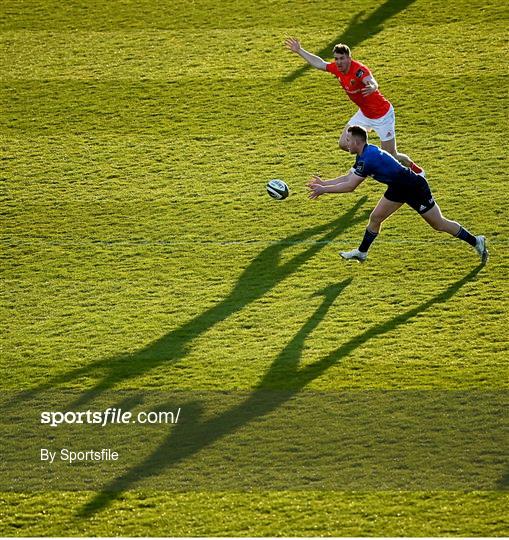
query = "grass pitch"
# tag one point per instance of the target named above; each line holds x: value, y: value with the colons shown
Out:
x: 140, y: 250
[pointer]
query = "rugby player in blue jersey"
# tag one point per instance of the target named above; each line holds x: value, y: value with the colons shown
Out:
x: 403, y: 186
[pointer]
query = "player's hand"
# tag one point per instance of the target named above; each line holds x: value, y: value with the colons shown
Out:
x: 368, y: 90
x: 315, y: 179
x: 315, y: 190
x: 293, y: 44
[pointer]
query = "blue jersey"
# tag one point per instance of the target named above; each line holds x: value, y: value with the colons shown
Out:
x: 380, y: 165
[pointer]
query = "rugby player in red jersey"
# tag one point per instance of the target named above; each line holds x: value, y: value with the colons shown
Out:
x: 375, y: 112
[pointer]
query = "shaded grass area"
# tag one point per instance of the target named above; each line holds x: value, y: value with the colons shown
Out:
x: 267, y: 440
x: 136, y: 231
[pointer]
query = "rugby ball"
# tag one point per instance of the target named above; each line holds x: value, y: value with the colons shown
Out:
x: 277, y: 189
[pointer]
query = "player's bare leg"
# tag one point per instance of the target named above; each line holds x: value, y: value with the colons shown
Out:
x: 382, y: 211
x: 435, y: 218
x: 391, y: 147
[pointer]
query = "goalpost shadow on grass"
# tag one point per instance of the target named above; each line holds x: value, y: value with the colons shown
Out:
x: 284, y: 375
x: 263, y: 273
x: 358, y: 30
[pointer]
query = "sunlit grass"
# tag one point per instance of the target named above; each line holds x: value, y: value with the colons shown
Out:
x: 136, y: 143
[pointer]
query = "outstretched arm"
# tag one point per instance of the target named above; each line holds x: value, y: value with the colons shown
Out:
x: 293, y: 45
x: 315, y: 179
x: 342, y: 184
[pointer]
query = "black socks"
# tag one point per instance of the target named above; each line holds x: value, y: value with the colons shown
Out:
x: 463, y: 234
x: 368, y: 239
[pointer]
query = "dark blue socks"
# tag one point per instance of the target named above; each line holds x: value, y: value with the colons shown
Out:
x: 368, y: 239
x: 463, y: 234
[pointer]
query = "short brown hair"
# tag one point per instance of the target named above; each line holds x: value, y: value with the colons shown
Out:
x: 359, y: 132
x: 341, y: 48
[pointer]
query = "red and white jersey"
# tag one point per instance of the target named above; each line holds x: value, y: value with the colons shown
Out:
x: 372, y: 106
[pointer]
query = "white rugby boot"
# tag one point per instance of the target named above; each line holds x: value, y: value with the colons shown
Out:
x: 354, y: 255
x: 480, y: 247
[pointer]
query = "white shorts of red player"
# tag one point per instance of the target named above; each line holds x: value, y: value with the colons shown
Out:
x: 385, y: 126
